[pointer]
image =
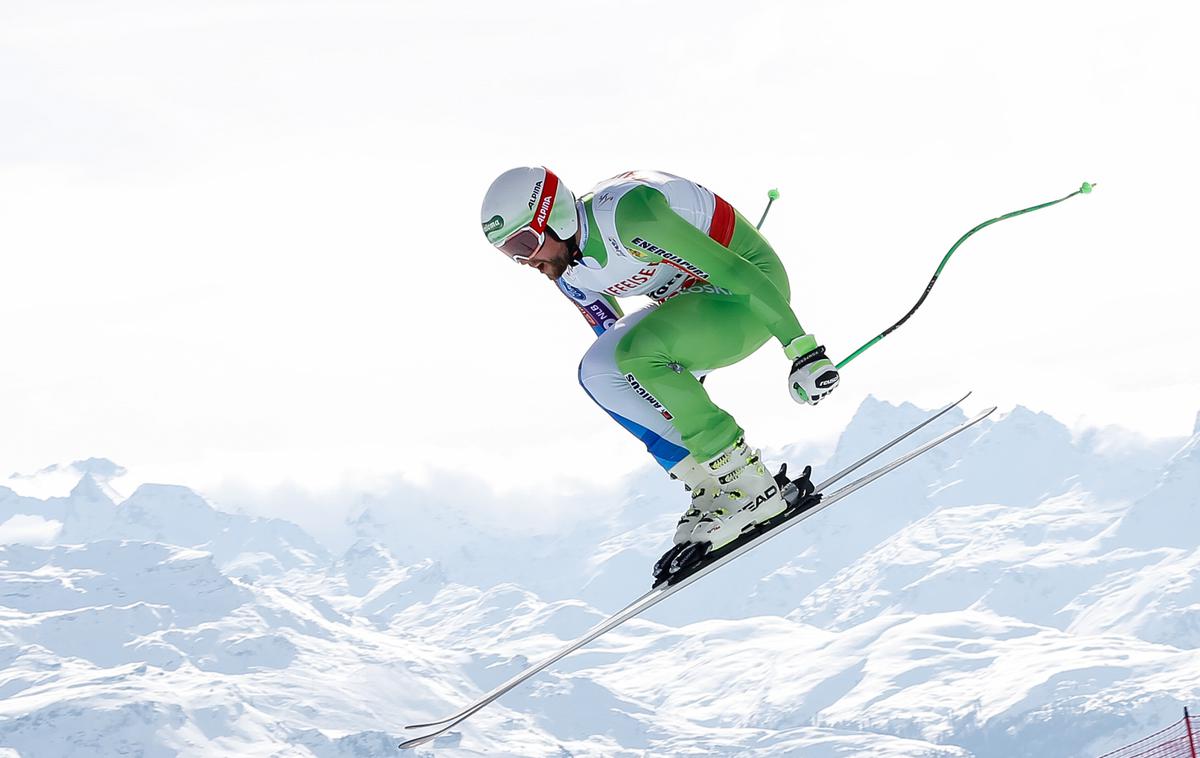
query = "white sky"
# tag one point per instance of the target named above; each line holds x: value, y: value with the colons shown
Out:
x: 240, y: 244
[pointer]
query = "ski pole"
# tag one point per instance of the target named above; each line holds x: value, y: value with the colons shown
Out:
x: 1084, y: 189
x: 772, y: 196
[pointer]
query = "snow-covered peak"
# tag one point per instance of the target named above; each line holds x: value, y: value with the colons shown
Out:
x: 168, y: 514
x: 89, y: 489
x: 101, y: 468
x: 57, y: 480
x: 1169, y: 516
x: 876, y: 421
x: 365, y: 564
x: 165, y: 509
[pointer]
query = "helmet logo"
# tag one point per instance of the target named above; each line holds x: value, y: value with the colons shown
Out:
x: 544, y: 210
x: 537, y: 190
x: 493, y: 224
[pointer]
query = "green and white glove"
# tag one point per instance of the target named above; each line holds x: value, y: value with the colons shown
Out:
x: 813, y: 375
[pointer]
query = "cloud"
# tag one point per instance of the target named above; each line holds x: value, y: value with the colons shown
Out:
x: 29, y: 530
x: 334, y: 514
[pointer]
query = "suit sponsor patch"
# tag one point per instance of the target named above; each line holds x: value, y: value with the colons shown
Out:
x: 644, y: 394
x: 675, y: 260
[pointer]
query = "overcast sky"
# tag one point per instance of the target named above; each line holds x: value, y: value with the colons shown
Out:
x: 240, y: 242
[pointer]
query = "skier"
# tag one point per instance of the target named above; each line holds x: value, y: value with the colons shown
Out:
x: 719, y: 293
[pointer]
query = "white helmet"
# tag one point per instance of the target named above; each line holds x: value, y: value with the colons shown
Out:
x: 521, y: 204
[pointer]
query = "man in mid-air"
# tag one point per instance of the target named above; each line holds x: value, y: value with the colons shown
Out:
x: 719, y: 293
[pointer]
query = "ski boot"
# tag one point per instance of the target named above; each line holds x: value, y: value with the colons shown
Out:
x: 702, y: 484
x: 748, y: 496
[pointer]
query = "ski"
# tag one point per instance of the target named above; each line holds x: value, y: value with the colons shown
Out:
x: 664, y: 590
x: 600, y: 629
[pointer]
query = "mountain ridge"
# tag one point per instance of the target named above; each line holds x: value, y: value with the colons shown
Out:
x: 1056, y: 616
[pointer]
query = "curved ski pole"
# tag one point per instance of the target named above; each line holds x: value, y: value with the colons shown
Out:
x: 1084, y: 189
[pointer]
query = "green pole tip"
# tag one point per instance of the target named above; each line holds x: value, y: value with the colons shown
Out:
x: 1086, y: 187
x: 773, y: 194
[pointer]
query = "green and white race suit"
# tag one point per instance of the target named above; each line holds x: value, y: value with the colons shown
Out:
x: 720, y: 292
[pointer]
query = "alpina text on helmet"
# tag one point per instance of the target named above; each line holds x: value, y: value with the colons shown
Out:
x: 537, y: 190
x: 544, y: 210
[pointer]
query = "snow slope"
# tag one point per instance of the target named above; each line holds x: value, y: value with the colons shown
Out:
x: 1022, y: 592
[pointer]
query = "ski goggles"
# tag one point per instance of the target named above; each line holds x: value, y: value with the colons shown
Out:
x: 522, y: 244
x: 525, y: 242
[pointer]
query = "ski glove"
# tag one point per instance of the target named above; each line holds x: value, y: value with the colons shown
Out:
x: 813, y: 375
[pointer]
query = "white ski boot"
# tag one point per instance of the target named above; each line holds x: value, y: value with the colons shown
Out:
x: 748, y: 495
x: 698, y: 480
x: 702, y: 484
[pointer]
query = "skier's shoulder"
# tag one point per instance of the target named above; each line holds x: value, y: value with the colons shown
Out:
x: 611, y: 190
x: 635, y: 198
x: 608, y: 194
x: 631, y: 198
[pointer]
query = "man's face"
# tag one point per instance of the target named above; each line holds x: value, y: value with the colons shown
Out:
x: 552, y: 260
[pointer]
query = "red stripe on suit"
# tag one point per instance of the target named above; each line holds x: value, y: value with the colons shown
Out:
x: 721, y: 228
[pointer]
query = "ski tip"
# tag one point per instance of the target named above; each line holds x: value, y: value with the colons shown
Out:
x: 956, y: 403
x: 415, y: 742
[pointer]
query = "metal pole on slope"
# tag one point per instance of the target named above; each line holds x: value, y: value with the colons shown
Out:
x: 1187, y: 720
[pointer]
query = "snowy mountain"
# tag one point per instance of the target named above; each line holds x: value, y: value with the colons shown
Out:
x: 159, y: 513
x: 1020, y: 592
